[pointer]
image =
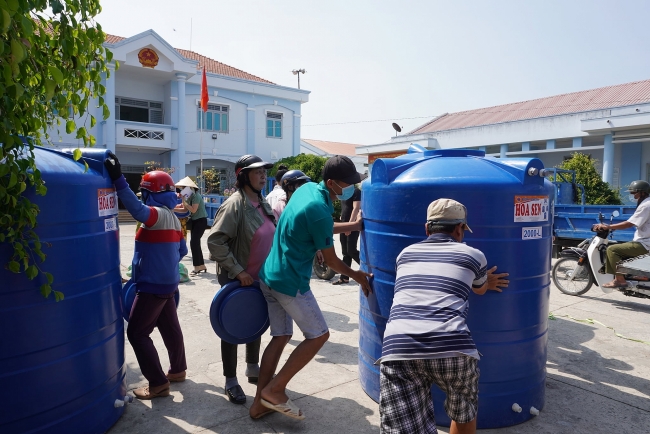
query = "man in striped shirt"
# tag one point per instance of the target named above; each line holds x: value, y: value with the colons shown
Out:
x: 427, y: 340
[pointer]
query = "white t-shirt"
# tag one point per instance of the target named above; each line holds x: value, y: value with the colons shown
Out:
x: 641, y: 219
x: 275, y: 194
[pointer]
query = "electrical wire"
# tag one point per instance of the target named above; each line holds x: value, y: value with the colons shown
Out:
x: 472, y: 112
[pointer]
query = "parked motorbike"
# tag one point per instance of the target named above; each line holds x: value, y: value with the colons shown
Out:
x: 580, y: 267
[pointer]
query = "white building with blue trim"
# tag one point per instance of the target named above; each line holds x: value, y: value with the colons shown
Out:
x: 611, y: 124
x: 156, y: 117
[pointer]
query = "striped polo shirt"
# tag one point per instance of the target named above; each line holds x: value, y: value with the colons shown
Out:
x: 431, y: 301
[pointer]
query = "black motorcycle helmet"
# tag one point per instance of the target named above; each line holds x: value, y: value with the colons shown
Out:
x: 639, y: 186
x: 291, y: 178
x: 246, y: 163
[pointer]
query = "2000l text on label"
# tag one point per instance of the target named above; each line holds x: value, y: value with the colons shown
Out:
x: 531, y: 233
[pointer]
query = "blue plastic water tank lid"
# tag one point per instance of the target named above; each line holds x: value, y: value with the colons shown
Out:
x: 128, y: 297
x: 239, y: 315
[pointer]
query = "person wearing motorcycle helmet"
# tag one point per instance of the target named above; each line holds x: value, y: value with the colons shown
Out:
x: 640, y: 244
x: 289, y: 182
x: 159, y: 247
x: 240, y: 240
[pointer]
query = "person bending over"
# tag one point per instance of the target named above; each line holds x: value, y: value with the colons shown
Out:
x: 427, y: 341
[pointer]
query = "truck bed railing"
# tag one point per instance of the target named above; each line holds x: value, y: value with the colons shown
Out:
x: 575, y: 221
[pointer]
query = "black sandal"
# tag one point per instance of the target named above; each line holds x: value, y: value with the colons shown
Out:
x: 340, y: 282
x: 236, y: 395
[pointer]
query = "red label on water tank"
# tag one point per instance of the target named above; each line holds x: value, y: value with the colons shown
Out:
x: 531, y: 208
x: 106, y: 201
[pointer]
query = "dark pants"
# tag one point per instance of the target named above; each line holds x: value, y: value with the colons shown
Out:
x: 149, y: 311
x: 349, y: 250
x: 198, y: 228
x: 228, y: 350
x: 229, y: 356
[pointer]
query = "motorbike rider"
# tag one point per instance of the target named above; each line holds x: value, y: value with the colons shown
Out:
x: 640, y: 244
x: 289, y: 182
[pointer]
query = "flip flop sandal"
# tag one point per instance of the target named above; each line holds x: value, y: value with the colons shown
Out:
x: 261, y: 415
x: 288, y: 409
x: 615, y: 285
x: 340, y: 282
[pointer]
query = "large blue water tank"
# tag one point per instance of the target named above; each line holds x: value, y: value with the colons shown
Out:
x: 510, y: 212
x: 62, y: 364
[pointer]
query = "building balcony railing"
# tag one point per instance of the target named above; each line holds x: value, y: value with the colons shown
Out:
x: 129, y: 133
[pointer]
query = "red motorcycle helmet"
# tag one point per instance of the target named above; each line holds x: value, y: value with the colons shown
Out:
x: 157, y: 181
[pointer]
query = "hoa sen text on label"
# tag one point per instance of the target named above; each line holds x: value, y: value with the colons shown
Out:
x: 106, y: 201
x: 531, y: 208
x: 531, y: 233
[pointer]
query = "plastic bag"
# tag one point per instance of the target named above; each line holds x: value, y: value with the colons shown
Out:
x: 182, y: 270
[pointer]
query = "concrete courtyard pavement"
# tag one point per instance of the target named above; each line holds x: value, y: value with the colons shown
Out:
x: 596, y: 383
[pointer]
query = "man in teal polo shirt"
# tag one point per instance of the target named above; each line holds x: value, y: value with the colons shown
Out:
x: 305, y: 226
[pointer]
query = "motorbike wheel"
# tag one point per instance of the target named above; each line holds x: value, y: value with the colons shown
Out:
x: 562, y: 272
x: 322, y: 271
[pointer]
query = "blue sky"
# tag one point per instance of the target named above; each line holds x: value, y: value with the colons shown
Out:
x: 406, y: 61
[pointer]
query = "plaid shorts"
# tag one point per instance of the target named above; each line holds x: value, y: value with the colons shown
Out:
x: 405, y: 403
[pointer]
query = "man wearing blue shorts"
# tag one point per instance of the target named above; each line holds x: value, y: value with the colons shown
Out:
x: 305, y: 226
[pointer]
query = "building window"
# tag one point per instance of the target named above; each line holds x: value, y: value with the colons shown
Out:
x: 70, y: 114
x: 215, y: 119
x: 274, y: 124
x: 137, y: 110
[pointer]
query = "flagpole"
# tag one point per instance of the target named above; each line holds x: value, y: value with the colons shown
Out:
x: 204, y: 109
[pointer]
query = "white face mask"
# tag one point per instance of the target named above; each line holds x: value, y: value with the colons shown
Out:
x: 632, y: 199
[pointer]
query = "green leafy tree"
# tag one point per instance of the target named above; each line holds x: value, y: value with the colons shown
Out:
x: 150, y: 166
x: 597, y: 191
x: 211, y: 177
x: 51, y: 62
x: 312, y: 166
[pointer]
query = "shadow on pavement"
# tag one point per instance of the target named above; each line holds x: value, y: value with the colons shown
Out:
x: 630, y: 303
x: 195, y: 406
x: 588, y: 369
x: 339, y: 322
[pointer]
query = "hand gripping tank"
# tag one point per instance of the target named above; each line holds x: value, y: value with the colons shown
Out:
x: 62, y: 364
x: 510, y: 211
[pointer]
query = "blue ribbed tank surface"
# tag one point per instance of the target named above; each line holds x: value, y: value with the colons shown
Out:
x: 62, y: 364
x: 510, y: 212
